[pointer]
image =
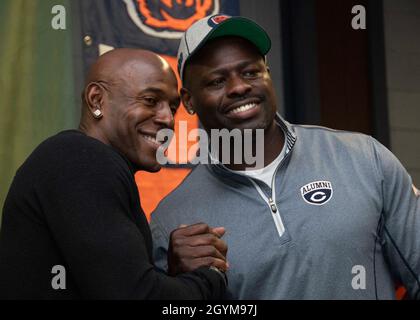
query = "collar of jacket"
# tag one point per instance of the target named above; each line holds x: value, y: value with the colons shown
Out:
x: 219, y: 169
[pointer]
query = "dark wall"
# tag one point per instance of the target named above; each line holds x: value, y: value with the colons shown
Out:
x: 334, y: 75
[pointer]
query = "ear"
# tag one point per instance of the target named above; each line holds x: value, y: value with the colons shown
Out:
x: 94, y: 99
x: 266, y: 64
x: 187, y: 100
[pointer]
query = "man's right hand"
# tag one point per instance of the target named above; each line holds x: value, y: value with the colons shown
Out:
x: 194, y: 246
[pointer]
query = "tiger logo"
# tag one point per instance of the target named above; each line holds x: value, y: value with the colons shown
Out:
x: 169, y: 18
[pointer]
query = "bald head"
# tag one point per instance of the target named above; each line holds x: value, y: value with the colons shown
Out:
x: 117, y: 68
x: 114, y: 66
x: 130, y: 95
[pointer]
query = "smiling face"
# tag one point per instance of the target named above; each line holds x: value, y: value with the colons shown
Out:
x: 141, y: 100
x: 228, y: 85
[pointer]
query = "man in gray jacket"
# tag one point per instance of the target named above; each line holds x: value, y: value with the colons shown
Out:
x: 331, y: 215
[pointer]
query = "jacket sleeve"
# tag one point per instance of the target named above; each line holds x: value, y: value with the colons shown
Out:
x: 401, y: 220
x: 88, y: 207
x: 160, y: 243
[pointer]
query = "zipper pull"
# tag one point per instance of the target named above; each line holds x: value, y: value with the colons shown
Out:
x: 272, y: 205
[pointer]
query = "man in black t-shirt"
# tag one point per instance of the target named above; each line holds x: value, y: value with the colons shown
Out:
x: 73, y: 226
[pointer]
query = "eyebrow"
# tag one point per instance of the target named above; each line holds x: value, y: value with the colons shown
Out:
x: 159, y: 91
x: 237, y: 66
x: 152, y: 89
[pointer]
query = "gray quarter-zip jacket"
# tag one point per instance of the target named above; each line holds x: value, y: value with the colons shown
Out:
x: 340, y: 220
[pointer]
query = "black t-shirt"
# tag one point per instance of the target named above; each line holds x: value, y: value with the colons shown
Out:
x: 74, y: 203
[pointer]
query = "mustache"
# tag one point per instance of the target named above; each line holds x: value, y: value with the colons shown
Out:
x: 259, y: 97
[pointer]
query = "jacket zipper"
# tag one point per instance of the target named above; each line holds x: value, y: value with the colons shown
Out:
x: 272, y: 200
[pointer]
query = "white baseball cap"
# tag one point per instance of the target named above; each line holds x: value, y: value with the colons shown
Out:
x: 216, y: 26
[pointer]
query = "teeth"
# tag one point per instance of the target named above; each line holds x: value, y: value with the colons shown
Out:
x: 151, y: 139
x: 243, y: 108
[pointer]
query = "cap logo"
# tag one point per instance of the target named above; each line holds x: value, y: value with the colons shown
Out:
x: 169, y: 18
x: 317, y: 193
x: 217, y: 19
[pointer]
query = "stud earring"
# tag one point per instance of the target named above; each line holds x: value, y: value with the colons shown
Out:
x: 191, y: 112
x: 97, y: 113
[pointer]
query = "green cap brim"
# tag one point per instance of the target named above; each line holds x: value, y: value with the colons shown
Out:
x: 245, y: 28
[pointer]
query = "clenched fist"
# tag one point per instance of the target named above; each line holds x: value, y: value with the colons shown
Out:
x: 194, y: 246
